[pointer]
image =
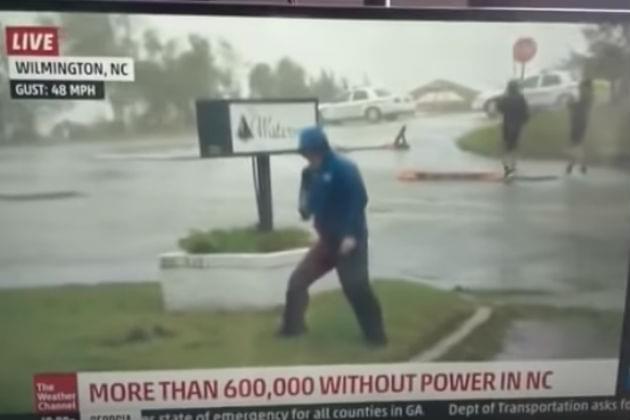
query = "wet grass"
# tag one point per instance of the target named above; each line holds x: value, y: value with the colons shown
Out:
x: 123, y: 327
x: 546, y: 136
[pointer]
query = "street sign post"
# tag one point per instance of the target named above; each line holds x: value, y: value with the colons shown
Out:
x: 524, y: 50
x: 256, y: 129
x: 262, y: 188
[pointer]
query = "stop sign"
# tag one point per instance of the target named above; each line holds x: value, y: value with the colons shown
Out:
x: 524, y: 50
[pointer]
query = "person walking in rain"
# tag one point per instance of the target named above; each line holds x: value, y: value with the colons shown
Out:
x: 515, y: 111
x: 332, y: 192
x: 579, y: 111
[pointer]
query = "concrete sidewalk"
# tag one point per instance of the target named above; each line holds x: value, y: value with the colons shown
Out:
x: 443, y: 346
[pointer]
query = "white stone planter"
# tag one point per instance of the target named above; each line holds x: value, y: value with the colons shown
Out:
x: 231, y: 281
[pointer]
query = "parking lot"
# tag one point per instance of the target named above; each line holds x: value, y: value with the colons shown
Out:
x: 125, y: 203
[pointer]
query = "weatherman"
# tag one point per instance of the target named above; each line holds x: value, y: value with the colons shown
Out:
x: 333, y: 193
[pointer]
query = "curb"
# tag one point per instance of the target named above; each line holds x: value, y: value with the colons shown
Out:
x: 386, y: 146
x: 480, y: 317
x: 411, y: 175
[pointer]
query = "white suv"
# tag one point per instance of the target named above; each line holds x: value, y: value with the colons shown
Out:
x: 545, y: 90
x: 371, y: 104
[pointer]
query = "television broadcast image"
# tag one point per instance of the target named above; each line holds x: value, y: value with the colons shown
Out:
x: 259, y: 213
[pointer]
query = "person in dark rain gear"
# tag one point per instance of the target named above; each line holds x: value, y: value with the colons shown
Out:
x: 515, y: 111
x: 579, y: 111
x: 332, y: 192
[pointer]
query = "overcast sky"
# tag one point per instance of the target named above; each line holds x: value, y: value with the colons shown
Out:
x: 398, y: 55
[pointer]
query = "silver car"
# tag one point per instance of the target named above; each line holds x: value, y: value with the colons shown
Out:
x: 549, y: 89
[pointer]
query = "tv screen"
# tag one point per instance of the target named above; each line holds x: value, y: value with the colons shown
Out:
x: 267, y: 213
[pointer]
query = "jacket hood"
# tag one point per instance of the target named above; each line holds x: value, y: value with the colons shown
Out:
x: 313, y: 140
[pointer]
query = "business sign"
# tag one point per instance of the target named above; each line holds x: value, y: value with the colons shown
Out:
x: 249, y: 127
x: 37, y: 70
x: 268, y: 127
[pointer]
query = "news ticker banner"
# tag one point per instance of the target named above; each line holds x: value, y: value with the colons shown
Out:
x: 265, y: 389
x: 37, y: 70
x: 540, y: 409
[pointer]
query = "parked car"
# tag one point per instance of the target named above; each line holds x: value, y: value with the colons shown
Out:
x: 371, y: 104
x: 546, y: 90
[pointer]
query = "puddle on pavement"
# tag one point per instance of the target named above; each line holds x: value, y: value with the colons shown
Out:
x: 575, y: 337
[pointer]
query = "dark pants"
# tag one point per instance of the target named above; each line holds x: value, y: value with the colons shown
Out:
x: 578, y: 131
x: 352, y: 270
x: 511, y: 134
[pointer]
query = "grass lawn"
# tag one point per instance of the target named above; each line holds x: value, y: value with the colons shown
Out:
x: 547, y: 133
x: 123, y: 327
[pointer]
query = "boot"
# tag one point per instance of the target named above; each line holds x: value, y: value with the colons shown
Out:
x: 509, y: 174
x: 293, y: 316
x: 377, y: 340
x: 290, y: 332
x: 370, y: 319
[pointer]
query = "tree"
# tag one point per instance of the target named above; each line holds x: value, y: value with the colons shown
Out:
x: 608, y: 57
x: 290, y: 80
x: 108, y: 36
x: 231, y: 63
x: 170, y: 74
x: 170, y: 79
x: 152, y: 44
x: 325, y: 88
x: 155, y: 103
x: 194, y: 75
x: 262, y: 81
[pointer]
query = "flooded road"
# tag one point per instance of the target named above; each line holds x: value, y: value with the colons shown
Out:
x: 102, y: 212
x: 569, y: 338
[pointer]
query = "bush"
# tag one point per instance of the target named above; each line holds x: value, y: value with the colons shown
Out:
x: 243, y: 240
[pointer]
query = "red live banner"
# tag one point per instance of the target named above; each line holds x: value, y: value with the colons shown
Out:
x: 32, y: 40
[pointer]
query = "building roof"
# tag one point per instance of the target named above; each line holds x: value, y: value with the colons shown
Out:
x: 441, y: 85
